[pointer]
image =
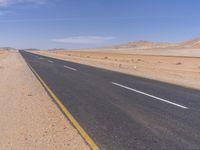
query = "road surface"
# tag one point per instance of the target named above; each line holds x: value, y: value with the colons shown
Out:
x: 123, y: 112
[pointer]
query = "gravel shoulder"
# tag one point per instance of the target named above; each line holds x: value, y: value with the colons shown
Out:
x: 29, y: 119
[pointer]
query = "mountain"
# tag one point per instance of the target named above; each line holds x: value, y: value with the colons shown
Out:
x: 7, y: 48
x: 194, y: 43
x: 145, y: 45
x: 32, y: 49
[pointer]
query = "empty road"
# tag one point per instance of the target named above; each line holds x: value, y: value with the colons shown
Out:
x: 123, y: 112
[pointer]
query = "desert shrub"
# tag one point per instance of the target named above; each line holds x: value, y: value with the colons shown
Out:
x: 178, y: 63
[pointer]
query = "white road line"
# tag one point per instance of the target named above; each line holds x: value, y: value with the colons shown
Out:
x: 50, y: 61
x: 70, y: 68
x: 155, y: 97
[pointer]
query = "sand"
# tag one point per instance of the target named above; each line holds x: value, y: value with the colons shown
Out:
x: 172, y: 68
x: 29, y: 119
x: 187, y: 52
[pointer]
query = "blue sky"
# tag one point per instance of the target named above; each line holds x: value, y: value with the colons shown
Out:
x: 92, y: 23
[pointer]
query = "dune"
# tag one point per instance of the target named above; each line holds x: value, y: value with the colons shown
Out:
x: 144, y: 45
x: 194, y: 43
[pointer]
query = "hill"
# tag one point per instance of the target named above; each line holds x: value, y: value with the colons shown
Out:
x: 194, y: 43
x: 7, y: 49
x: 145, y: 45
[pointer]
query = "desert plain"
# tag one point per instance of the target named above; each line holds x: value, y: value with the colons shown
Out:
x: 176, y: 63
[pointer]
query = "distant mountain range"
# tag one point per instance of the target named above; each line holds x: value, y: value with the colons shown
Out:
x: 7, y: 48
x: 194, y: 43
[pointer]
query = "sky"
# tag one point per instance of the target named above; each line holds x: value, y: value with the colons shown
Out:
x: 70, y: 24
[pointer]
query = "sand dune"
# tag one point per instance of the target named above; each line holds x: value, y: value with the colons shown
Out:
x: 194, y: 43
x: 144, y: 45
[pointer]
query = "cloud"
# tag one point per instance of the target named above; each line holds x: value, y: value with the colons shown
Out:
x: 6, y: 3
x: 84, y: 39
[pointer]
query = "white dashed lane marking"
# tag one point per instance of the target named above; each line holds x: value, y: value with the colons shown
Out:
x: 50, y: 61
x: 149, y: 95
x: 70, y: 68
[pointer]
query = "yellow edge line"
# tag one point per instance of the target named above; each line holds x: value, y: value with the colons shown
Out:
x: 82, y: 132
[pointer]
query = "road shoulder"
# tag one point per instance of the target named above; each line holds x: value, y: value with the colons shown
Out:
x: 29, y: 118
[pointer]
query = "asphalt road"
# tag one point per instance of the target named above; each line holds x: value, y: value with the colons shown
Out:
x: 123, y: 112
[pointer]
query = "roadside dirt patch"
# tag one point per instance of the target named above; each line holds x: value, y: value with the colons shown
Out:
x: 29, y: 119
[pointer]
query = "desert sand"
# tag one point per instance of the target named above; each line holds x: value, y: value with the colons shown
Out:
x: 29, y: 119
x: 172, y: 66
x: 187, y: 52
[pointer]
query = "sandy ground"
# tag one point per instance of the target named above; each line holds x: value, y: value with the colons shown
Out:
x: 172, y: 51
x: 160, y: 51
x: 184, y: 71
x: 29, y: 119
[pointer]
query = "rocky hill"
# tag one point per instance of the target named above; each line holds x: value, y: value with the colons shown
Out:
x: 194, y: 43
x: 145, y: 45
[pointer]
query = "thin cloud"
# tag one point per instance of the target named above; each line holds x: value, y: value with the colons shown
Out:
x: 6, y: 3
x: 84, y: 39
